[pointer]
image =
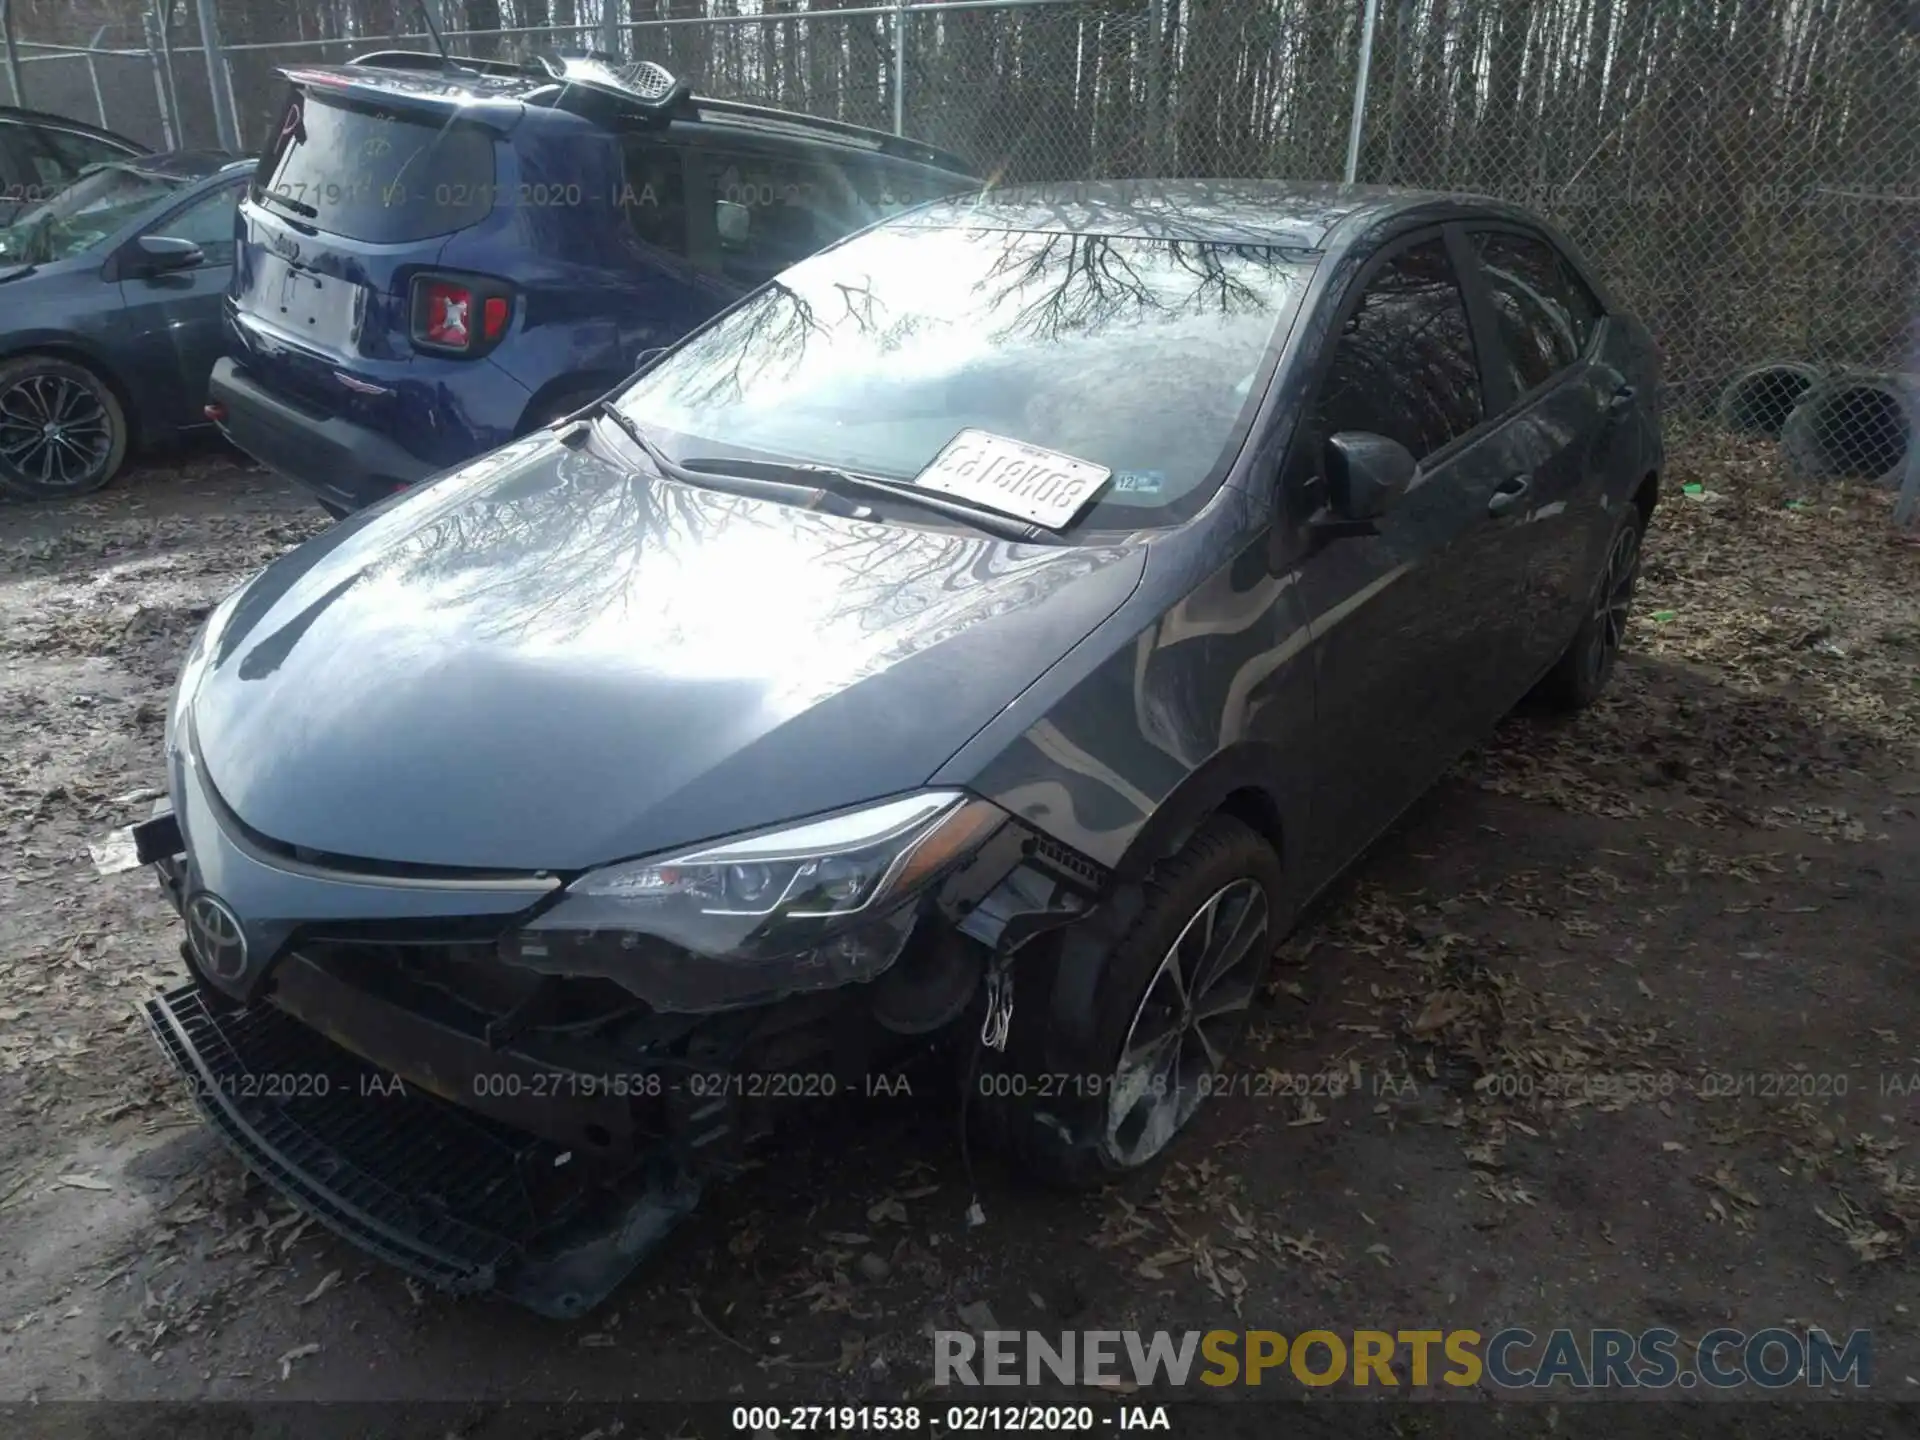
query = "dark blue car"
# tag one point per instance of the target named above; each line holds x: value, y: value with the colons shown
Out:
x: 436, y: 257
x: 110, y: 298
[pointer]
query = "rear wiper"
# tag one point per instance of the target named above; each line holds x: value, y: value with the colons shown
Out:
x: 754, y: 487
x: 853, y: 484
x: 287, y: 202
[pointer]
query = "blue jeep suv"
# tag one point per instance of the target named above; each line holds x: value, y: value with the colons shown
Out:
x: 436, y: 256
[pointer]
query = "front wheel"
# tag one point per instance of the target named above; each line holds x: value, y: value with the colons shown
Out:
x: 62, y: 430
x: 1581, y: 674
x: 1167, y: 1008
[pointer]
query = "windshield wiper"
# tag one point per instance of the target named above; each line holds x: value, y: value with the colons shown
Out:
x: 785, y: 480
x: 752, y: 486
x: 854, y: 484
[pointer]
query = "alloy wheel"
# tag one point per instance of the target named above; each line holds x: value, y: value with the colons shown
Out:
x: 1614, y: 602
x: 1186, y: 1018
x: 54, y: 431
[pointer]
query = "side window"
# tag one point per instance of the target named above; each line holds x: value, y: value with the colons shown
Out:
x: 1545, y: 313
x: 774, y: 211
x: 888, y: 189
x: 77, y: 151
x: 1403, y: 365
x: 208, y: 222
x: 13, y: 179
x: 1582, y: 306
x: 655, y: 199
x: 58, y: 155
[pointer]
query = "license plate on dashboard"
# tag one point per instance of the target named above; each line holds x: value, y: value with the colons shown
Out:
x: 319, y: 310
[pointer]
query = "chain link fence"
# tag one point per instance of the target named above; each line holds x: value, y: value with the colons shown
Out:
x: 1746, y: 173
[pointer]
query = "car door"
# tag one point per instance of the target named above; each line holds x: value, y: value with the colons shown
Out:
x: 173, y: 322
x: 1559, y: 432
x: 1410, y: 625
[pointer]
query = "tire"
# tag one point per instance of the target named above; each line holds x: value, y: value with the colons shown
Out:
x: 1058, y: 1103
x: 63, y: 432
x: 1580, y: 675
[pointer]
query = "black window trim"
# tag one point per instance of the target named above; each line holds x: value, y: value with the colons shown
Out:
x: 1453, y: 235
x: 1566, y: 373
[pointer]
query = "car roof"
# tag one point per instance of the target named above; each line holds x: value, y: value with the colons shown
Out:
x: 1298, y: 214
x: 14, y: 115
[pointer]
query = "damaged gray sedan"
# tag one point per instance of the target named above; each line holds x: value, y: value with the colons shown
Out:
x: 982, y: 640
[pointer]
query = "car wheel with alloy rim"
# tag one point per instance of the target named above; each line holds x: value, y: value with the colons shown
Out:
x: 1581, y: 674
x: 62, y: 430
x: 1084, y: 1097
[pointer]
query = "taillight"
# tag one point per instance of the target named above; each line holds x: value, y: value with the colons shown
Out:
x: 449, y: 311
x: 459, y: 314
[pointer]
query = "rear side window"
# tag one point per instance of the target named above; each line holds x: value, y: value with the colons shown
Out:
x: 1404, y: 364
x: 373, y: 174
x: 655, y: 199
x: 888, y: 189
x: 1544, y: 311
x: 772, y: 211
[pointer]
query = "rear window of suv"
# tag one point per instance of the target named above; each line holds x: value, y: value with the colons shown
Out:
x: 372, y: 174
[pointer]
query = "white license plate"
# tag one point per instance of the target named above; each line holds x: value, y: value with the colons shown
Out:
x: 1015, y: 478
x: 318, y: 309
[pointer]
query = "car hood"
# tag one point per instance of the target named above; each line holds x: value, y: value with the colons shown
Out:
x: 546, y: 660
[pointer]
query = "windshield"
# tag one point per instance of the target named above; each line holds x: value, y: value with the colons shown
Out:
x: 1139, y: 355
x: 102, y: 200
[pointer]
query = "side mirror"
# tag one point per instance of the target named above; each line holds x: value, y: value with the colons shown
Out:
x: 1366, y: 476
x: 647, y: 357
x: 733, y: 220
x: 160, y: 254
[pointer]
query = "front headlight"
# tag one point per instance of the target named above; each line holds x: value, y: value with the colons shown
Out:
x: 804, y: 907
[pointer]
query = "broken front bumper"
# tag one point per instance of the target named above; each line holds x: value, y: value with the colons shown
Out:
x: 446, y: 1194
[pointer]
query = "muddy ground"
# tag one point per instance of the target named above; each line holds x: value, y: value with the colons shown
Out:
x: 1632, y: 1004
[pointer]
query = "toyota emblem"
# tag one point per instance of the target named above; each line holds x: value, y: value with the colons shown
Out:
x: 214, y: 932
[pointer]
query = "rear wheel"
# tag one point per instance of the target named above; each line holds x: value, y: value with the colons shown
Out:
x: 62, y: 430
x: 1581, y: 674
x: 1168, y: 1007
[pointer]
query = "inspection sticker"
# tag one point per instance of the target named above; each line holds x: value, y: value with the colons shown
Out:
x: 1015, y: 478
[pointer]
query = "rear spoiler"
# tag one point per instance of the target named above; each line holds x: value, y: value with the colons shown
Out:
x: 599, y: 86
x: 380, y: 86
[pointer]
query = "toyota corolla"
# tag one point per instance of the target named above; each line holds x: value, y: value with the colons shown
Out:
x: 987, y: 636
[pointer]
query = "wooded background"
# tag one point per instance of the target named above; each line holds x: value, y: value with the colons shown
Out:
x: 1746, y: 173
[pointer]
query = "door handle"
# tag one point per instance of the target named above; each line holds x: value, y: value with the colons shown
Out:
x: 1622, y: 400
x: 1508, y: 495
